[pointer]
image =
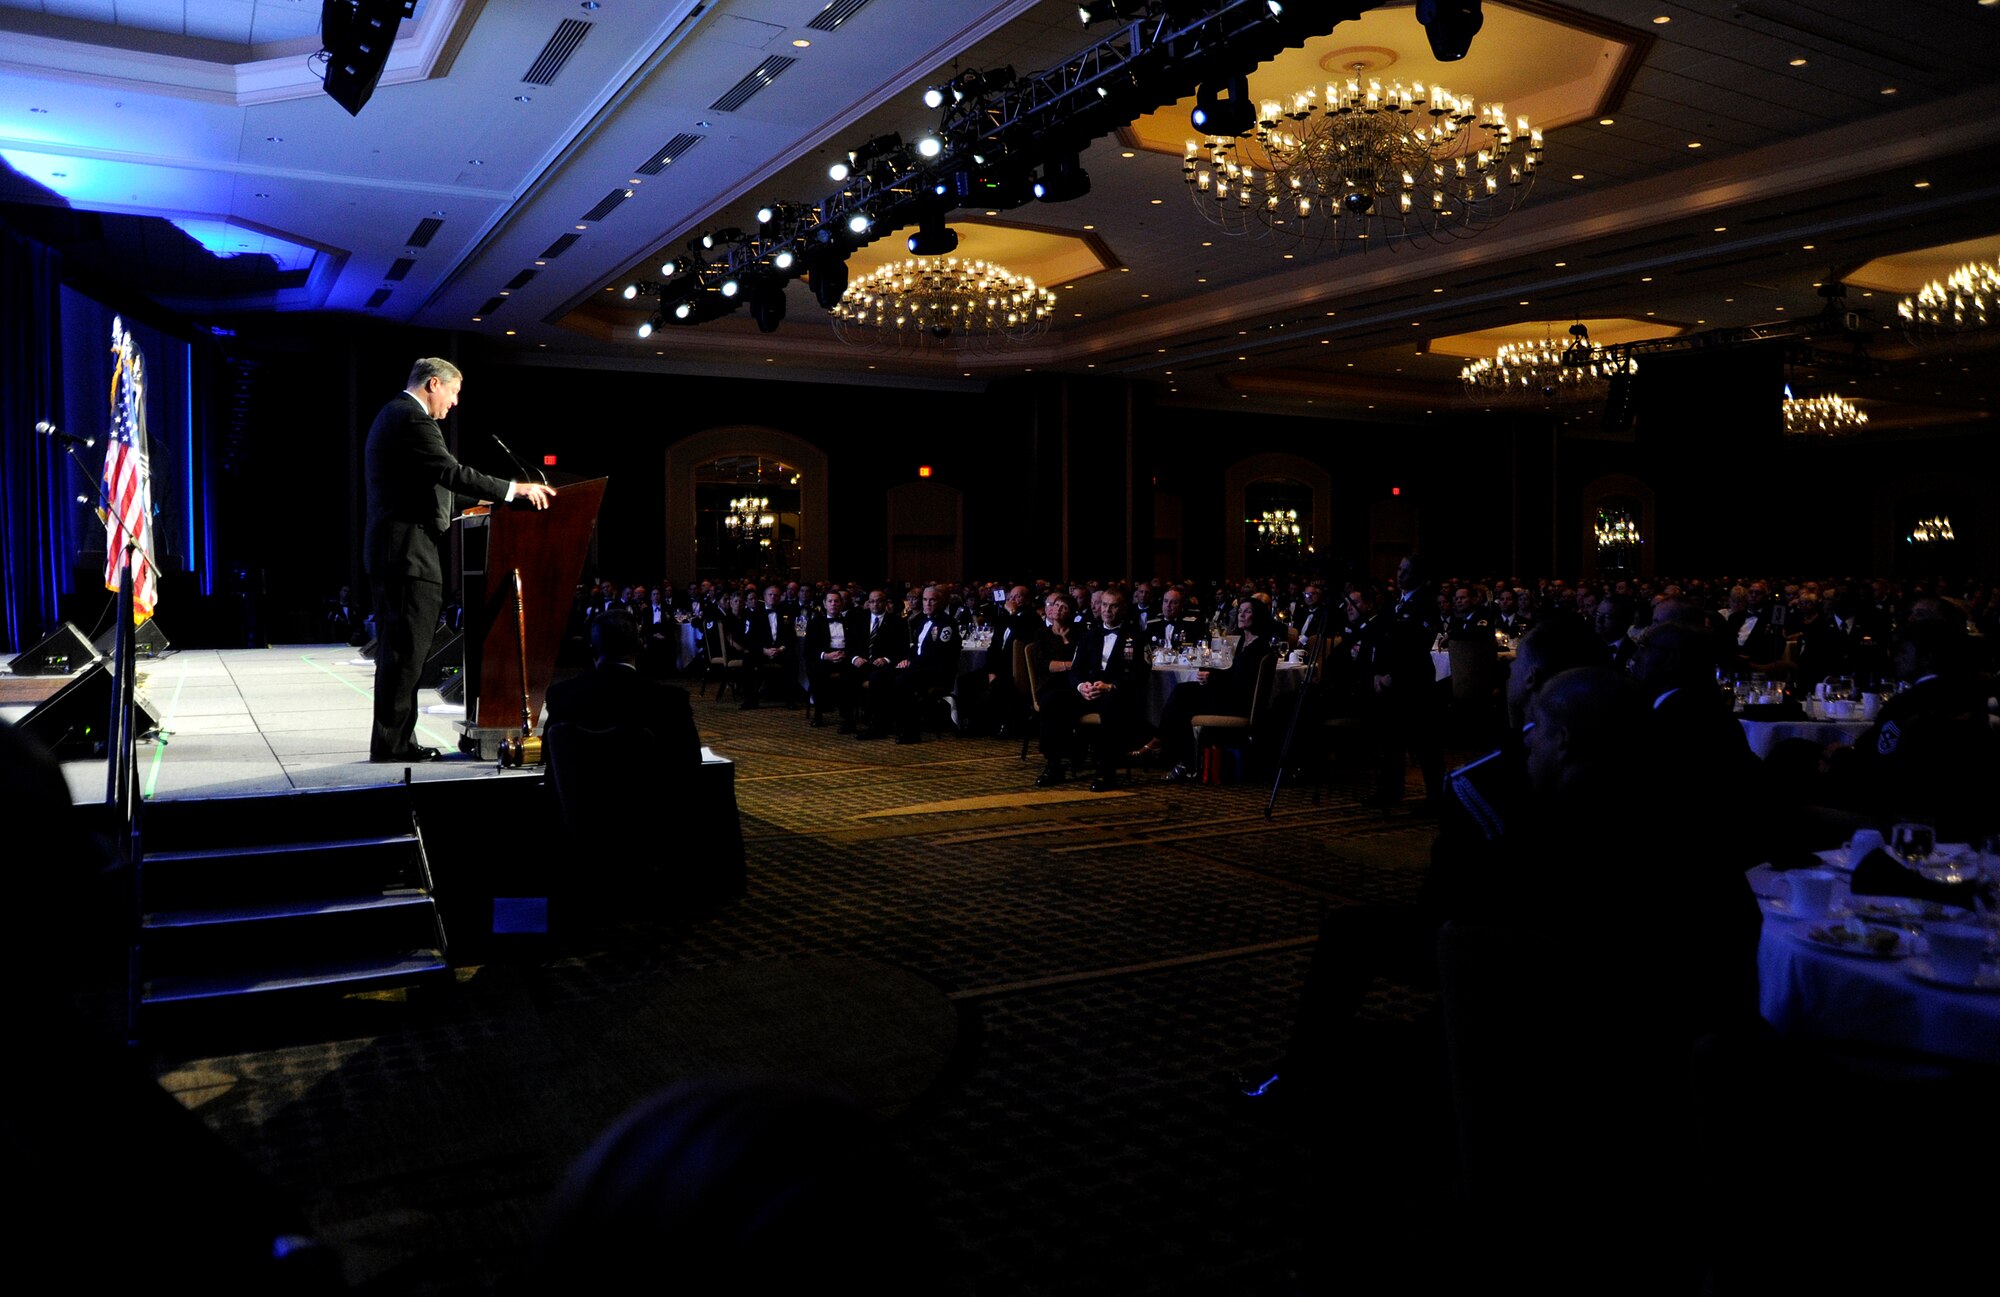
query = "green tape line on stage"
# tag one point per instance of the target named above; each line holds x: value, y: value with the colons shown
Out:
x: 160, y: 744
x: 448, y: 744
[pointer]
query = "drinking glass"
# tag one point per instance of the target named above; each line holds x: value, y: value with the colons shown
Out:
x: 1915, y: 843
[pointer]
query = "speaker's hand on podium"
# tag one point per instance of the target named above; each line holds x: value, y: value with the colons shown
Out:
x: 535, y: 493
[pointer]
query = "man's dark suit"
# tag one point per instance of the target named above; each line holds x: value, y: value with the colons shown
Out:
x: 759, y: 668
x: 412, y: 481
x: 615, y: 694
x: 1122, y: 710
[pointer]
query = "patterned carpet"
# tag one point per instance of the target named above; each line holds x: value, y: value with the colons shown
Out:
x: 1044, y: 992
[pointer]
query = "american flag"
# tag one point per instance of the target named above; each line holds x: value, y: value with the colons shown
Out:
x: 128, y: 478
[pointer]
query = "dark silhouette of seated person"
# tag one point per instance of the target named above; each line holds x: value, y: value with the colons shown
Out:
x: 741, y: 1186
x: 614, y: 695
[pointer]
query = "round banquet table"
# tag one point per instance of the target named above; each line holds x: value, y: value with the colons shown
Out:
x: 1165, y: 676
x: 1807, y: 989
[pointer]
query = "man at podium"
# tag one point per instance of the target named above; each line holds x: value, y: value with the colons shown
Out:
x: 413, y: 483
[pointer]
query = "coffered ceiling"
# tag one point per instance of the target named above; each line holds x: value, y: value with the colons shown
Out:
x: 1707, y: 165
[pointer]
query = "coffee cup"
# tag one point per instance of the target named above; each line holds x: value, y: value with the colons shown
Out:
x: 1870, y: 704
x: 1957, y: 949
x: 1839, y: 709
x: 1808, y: 893
x: 1862, y: 843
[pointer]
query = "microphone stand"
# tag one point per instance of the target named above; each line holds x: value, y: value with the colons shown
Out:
x: 1315, y: 655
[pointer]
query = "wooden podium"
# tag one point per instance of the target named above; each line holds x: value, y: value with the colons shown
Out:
x: 548, y: 547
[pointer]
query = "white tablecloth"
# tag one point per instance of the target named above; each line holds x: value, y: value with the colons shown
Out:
x: 1767, y: 735
x: 1164, y: 677
x: 1809, y: 990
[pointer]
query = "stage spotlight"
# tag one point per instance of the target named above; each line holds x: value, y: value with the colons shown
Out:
x: 784, y: 259
x: 837, y: 172
x: 670, y: 267
x: 1101, y: 10
x: 859, y: 223
x: 1063, y: 179
x: 1451, y: 25
x: 631, y: 292
x: 646, y: 329
x: 765, y: 215
x: 933, y: 238
x: 767, y: 307
x: 929, y: 146
x: 730, y: 287
x: 934, y: 97
x: 707, y: 239
x: 1215, y: 115
x: 828, y: 281
x: 682, y: 310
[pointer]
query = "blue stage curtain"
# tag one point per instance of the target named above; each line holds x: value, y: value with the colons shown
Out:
x: 37, y: 493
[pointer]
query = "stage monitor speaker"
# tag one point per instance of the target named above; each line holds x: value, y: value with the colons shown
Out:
x: 452, y: 688
x: 447, y: 656
x: 148, y: 641
x: 72, y: 721
x: 63, y: 651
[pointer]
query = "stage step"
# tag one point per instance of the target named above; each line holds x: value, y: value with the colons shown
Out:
x: 284, y: 893
x: 346, y: 976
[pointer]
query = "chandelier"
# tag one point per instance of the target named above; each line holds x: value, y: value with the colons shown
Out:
x: 1279, y: 527
x: 942, y: 301
x: 1364, y: 164
x: 1822, y: 416
x: 1968, y: 299
x: 749, y: 519
x: 1617, y: 529
x: 1930, y: 531
x: 1542, y: 371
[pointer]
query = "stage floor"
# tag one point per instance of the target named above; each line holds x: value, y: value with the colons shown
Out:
x: 241, y: 721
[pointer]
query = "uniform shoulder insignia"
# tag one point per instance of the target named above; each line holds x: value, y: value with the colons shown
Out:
x: 944, y: 633
x: 1888, y: 737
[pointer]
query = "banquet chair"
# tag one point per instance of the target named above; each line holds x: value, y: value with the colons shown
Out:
x: 719, y: 663
x: 1028, y: 667
x: 1222, y: 730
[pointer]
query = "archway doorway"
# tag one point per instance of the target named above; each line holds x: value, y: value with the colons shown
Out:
x: 747, y: 519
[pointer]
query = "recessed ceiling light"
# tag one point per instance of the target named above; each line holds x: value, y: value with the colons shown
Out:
x: 1576, y: 175
x: 1126, y: 154
x: 263, y: 195
x: 1888, y: 90
x: 1437, y: 290
x: 1090, y: 227
x: 1807, y: 246
x: 1522, y: 302
x: 510, y: 332
x: 992, y: 213
x: 583, y: 227
x: 1606, y: 121
x: 524, y: 99
x: 1798, y: 63
x: 1158, y: 201
x: 274, y: 139
x: 478, y: 319
x: 802, y: 44
x: 1922, y: 184
x: 1200, y: 280
x: 1645, y: 279
x: 1561, y: 264
x: 1694, y: 144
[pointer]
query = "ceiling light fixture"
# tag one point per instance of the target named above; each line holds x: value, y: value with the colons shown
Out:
x: 1542, y: 372
x: 942, y: 301
x: 1364, y: 163
x: 1822, y: 416
x: 1964, y: 302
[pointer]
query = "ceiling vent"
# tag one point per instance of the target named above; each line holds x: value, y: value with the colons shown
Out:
x: 421, y: 236
x: 671, y: 151
x: 760, y: 76
x: 520, y: 280
x: 835, y: 14
x: 492, y: 304
x: 568, y: 35
x: 378, y: 297
x: 606, y: 205
x: 560, y: 246
x: 399, y: 268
